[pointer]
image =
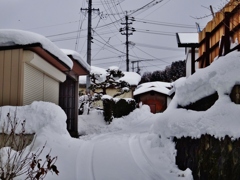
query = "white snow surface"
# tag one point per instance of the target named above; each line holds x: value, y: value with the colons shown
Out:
x: 38, y: 115
x: 131, y: 77
x: 161, y: 87
x: 10, y: 37
x: 137, y: 146
x: 125, y: 149
x: 221, y: 119
x: 77, y: 57
x: 188, y: 37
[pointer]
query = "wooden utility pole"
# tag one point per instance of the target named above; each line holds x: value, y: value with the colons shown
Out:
x: 138, y: 68
x: 89, y: 43
x: 89, y: 39
x: 128, y: 31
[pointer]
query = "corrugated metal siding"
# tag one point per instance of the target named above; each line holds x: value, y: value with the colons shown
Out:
x: 51, y: 90
x: 33, y: 85
x: 10, y: 77
x: 38, y: 86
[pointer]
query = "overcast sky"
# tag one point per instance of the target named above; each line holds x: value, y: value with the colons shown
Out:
x: 154, y: 42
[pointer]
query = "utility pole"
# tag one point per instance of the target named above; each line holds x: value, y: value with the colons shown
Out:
x: 89, y: 39
x: 138, y: 68
x: 127, y: 31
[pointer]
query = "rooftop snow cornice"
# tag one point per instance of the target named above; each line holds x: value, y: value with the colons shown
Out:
x: 18, y: 38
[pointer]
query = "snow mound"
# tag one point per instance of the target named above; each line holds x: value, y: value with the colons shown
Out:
x: 221, y: 119
x: 38, y: 115
x: 219, y: 77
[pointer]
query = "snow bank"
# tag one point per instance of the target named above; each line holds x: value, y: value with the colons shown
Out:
x: 38, y: 115
x: 220, y: 76
x: 221, y: 119
x: 10, y: 37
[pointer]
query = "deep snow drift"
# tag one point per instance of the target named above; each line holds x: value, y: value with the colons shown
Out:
x: 124, y: 149
x: 221, y: 119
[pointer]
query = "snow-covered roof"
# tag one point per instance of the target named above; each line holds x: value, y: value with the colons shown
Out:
x: 77, y: 57
x: 131, y: 77
x: 188, y: 37
x: 160, y: 87
x: 11, y: 37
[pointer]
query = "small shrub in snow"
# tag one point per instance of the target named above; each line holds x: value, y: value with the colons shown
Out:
x: 116, y: 109
x: 123, y: 107
x: 108, y: 110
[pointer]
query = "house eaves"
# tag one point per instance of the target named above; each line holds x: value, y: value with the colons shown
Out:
x: 187, y: 39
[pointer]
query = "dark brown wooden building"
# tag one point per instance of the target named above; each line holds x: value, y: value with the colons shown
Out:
x: 68, y: 96
x: 154, y: 94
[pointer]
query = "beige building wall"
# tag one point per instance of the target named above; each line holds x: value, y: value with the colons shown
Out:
x: 109, y: 92
x: 41, y: 80
x: 11, y: 77
x: 26, y: 77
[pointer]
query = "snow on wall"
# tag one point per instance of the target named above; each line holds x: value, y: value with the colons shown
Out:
x: 221, y: 119
x: 220, y: 76
x: 10, y: 37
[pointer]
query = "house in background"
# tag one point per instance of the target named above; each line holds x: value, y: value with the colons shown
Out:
x: 157, y: 95
x: 131, y: 77
x: 190, y: 42
x: 32, y: 68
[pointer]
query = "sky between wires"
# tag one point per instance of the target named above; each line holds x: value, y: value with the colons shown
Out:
x: 153, y: 43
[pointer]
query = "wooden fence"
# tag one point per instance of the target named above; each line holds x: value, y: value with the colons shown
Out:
x: 218, y: 35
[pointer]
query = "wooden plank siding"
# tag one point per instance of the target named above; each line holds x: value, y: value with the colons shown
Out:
x: 224, y: 26
x: 10, y: 77
x: 156, y: 101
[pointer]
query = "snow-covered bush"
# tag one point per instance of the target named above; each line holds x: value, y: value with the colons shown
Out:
x: 123, y: 107
x: 108, y: 105
x: 116, y: 108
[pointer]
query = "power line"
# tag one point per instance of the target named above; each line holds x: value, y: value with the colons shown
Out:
x: 166, y: 24
x: 157, y: 47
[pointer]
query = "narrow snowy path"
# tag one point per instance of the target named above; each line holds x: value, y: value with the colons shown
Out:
x: 125, y: 150
x: 114, y: 156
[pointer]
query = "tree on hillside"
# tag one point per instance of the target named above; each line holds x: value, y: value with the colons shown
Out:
x: 171, y: 73
x: 146, y: 77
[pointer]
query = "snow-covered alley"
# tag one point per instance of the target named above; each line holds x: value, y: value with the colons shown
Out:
x: 139, y: 145
x: 125, y: 149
